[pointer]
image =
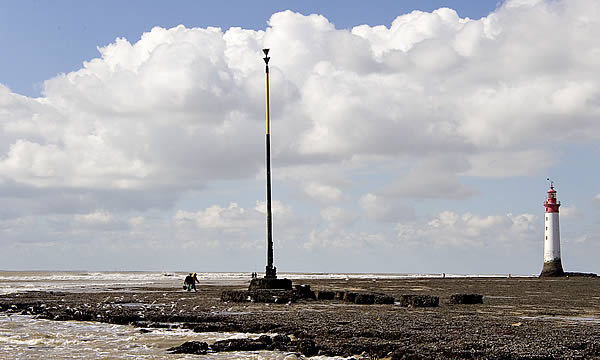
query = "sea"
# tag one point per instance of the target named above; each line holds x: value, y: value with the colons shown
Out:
x: 27, y: 337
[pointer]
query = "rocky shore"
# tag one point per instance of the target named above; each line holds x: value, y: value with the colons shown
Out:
x: 520, y: 318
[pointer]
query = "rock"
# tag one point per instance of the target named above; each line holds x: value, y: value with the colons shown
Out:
x: 580, y: 274
x: 263, y: 296
x: 190, y: 347
x: 349, y: 296
x: 304, y: 292
x: 281, y: 342
x: 363, y: 298
x: 262, y: 343
x: 419, y: 301
x: 384, y: 299
x: 340, y: 295
x: 306, y: 347
x: 235, y: 295
x: 466, y: 299
x: 325, y: 294
x: 270, y: 283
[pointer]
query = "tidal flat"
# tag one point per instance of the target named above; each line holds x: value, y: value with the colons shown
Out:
x: 520, y: 318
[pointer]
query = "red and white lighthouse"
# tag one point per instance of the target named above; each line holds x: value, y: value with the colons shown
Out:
x: 552, y: 262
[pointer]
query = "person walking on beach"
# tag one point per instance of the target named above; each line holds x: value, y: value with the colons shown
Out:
x: 190, y: 281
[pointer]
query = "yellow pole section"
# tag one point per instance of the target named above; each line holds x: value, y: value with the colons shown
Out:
x: 267, y: 85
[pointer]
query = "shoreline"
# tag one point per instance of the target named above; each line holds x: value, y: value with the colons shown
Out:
x: 521, y: 317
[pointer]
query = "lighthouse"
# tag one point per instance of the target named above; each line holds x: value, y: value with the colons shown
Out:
x: 552, y: 262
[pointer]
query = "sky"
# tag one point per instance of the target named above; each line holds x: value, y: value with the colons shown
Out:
x: 407, y: 137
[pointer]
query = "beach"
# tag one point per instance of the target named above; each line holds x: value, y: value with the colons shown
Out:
x: 520, y: 318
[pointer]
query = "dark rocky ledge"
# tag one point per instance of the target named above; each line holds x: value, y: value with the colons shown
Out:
x: 521, y: 318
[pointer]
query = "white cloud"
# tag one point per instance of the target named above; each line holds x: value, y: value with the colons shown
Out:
x: 184, y: 106
x: 337, y: 216
x: 323, y: 192
x: 232, y: 218
x: 379, y: 117
x: 336, y: 238
x: 521, y: 3
x: 217, y: 226
x: 450, y: 229
x: 570, y: 212
x: 98, y: 217
x: 385, y: 209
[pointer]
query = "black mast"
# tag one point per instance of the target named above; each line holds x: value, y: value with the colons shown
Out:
x: 271, y: 272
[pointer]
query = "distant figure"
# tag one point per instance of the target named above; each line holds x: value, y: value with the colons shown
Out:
x: 254, y: 275
x: 190, y: 281
x: 443, y: 275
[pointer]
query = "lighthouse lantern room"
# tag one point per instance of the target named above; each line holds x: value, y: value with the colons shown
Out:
x: 552, y: 261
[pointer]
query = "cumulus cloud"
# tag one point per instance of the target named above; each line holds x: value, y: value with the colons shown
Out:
x: 232, y: 218
x: 570, y: 212
x: 99, y: 220
x: 338, y: 216
x: 449, y: 229
x: 384, y: 209
x: 399, y: 112
x: 184, y: 106
x: 216, y: 225
x: 323, y: 192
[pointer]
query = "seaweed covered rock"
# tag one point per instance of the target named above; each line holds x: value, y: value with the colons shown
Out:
x: 262, y: 343
x: 190, y: 347
x: 325, y: 294
x: 235, y: 296
x: 304, y: 292
x: 466, y: 299
x: 305, y: 347
x: 349, y: 296
x: 384, y: 299
x: 364, y: 298
x: 262, y: 296
x: 419, y: 301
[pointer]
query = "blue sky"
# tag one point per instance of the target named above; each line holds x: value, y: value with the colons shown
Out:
x: 411, y: 136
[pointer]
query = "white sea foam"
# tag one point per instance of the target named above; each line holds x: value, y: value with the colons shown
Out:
x: 25, y: 337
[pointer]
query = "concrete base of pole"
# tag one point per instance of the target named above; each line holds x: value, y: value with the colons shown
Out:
x: 552, y: 268
x: 270, y: 272
x: 270, y: 283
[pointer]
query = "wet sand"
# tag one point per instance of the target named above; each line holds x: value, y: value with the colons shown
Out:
x: 521, y: 318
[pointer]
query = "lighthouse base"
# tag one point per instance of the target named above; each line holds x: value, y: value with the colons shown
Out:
x: 552, y: 268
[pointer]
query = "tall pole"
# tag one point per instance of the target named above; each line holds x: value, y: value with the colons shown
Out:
x: 271, y: 272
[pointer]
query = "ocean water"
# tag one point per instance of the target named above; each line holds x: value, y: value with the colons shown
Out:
x: 15, y: 281
x: 26, y: 337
